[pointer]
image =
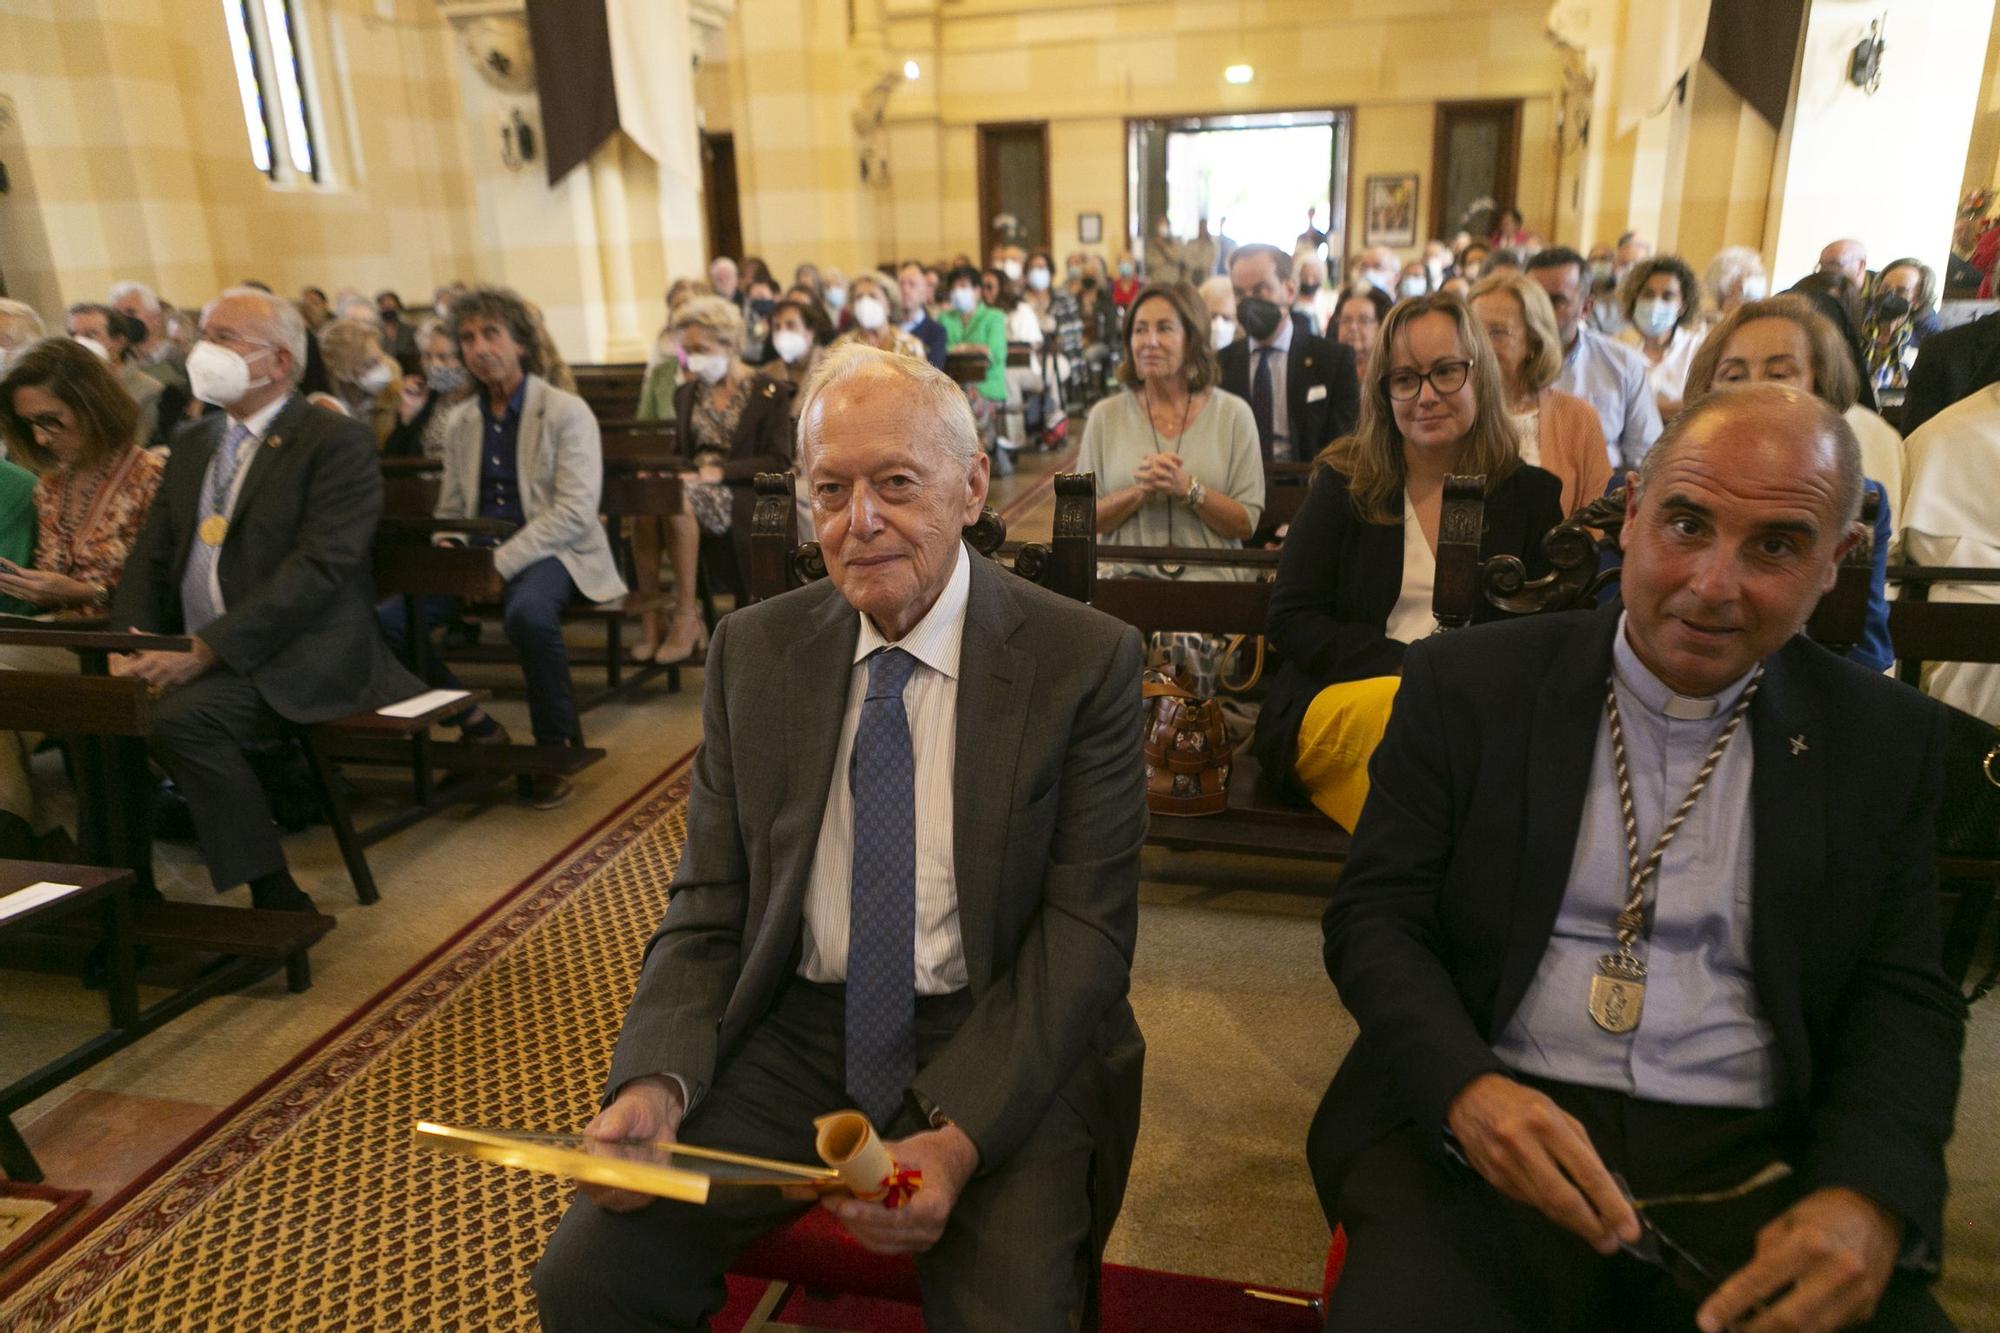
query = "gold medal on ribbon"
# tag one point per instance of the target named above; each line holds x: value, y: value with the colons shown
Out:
x: 1618, y: 992
x: 213, y: 529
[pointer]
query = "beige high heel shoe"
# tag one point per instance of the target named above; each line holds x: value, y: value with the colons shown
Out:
x: 688, y: 636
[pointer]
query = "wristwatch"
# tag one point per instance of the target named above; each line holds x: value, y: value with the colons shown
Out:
x: 1197, y: 494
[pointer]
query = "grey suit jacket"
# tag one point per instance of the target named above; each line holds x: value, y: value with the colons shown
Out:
x: 1049, y: 813
x: 560, y: 458
x: 295, y: 572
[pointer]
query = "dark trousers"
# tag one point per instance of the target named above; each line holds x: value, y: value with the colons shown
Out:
x: 531, y: 607
x: 1432, y: 1246
x: 200, y: 732
x: 1012, y: 1257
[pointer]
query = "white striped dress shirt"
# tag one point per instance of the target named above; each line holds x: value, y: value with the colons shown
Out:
x: 931, y: 701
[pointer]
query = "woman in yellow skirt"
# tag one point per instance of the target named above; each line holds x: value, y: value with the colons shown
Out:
x: 1354, y: 584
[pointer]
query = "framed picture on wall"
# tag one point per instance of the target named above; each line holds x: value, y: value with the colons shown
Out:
x: 1090, y: 228
x: 1389, y: 211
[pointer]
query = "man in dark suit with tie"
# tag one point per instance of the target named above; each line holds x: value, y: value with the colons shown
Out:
x: 1652, y: 894
x: 257, y: 545
x: 1301, y: 389
x: 909, y: 886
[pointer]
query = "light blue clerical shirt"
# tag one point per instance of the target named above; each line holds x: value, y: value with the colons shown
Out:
x: 1702, y: 1038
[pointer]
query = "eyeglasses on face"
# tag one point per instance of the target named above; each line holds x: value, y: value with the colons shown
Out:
x: 1445, y: 377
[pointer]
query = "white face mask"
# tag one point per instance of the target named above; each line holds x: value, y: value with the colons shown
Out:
x: 1012, y: 268
x: 376, y: 378
x: 219, y: 376
x: 1221, y: 331
x: 836, y: 297
x: 103, y: 352
x: 1414, y: 286
x: 1653, y: 317
x: 710, y: 366
x: 1382, y: 278
x: 1754, y: 287
x: 1038, y: 278
x: 965, y: 298
x: 790, y: 344
x: 1607, y: 318
x: 870, y: 312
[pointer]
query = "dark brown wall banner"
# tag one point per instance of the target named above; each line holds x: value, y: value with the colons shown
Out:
x: 572, y: 41
x: 1753, y: 44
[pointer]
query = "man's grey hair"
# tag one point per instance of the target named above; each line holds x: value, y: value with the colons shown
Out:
x: 1727, y: 270
x: 1769, y: 400
x: 284, y: 326
x: 147, y: 296
x: 944, y: 417
x: 21, y: 313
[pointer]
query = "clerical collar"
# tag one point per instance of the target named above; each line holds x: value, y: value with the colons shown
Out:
x: 1657, y: 697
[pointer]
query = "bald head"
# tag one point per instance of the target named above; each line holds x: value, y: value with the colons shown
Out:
x: 1771, y: 419
x: 1847, y: 256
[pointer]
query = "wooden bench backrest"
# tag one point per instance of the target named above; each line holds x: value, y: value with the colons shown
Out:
x: 1926, y: 631
x: 62, y: 704
x: 418, y: 569
x: 632, y: 496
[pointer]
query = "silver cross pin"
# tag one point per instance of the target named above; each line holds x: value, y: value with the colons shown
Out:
x: 1799, y: 746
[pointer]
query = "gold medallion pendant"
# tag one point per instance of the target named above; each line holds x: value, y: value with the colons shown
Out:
x: 1618, y: 992
x: 213, y: 529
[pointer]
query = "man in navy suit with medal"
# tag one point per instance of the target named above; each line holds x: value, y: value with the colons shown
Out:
x: 257, y: 546
x: 1640, y: 931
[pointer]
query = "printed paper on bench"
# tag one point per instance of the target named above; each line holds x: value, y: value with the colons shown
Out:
x: 418, y: 705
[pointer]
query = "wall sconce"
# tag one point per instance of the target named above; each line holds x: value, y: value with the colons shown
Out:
x: 1864, y: 70
x: 1238, y: 74
x: 517, y: 141
x: 912, y: 71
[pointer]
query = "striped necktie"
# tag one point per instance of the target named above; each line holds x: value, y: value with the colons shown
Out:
x: 882, y: 919
x: 200, y: 604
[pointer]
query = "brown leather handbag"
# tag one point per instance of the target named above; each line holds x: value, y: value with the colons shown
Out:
x: 1187, y: 749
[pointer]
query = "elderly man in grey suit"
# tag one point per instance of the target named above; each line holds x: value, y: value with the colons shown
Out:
x: 522, y: 451
x: 909, y: 886
x: 257, y: 547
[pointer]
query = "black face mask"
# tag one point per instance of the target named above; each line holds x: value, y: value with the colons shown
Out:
x: 762, y: 308
x: 1892, y: 305
x: 1308, y: 290
x: 1258, y: 317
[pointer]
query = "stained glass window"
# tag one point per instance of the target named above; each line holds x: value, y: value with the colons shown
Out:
x: 249, y: 84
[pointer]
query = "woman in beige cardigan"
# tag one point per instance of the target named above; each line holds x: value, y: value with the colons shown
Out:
x: 1558, y: 433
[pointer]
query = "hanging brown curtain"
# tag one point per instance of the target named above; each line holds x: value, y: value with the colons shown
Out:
x: 1753, y: 45
x: 572, y: 42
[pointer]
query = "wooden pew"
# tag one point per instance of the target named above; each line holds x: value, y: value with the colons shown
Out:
x: 612, y: 390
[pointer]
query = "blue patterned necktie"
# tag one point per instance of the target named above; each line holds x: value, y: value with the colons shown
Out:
x: 882, y: 913
x: 198, y: 602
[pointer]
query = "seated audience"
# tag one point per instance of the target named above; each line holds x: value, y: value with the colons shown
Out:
x: 1315, y: 300
x: 915, y: 287
x: 1355, y: 583
x: 1901, y: 314
x: 362, y: 380
x: 91, y: 500
x: 724, y: 280
x: 1414, y: 280
x: 1060, y: 323
x: 1596, y: 367
x: 1471, y: 261
x: 1176, y: 457
x: 1218, y: 297
x: 158, y: 354
x: 972, y: 324
x: 527, y: 453
x: 761, y: 299
x: 1660, y: 301
x: 1512, y: 231
x: 1125, y: 286
x: 1554, y: 1029
x: 970, y: 1001
x: 554, y: 369
x: 112, y: 335
x: 1786, y: 340
x: 878, y: 318
x: 1949, y: 520
x: 1557, y: 433
x: 424, y: 403
x: 1503, y: 263
x: 315, y: 308
x: 1358, y: 318
x: 261, y: 553
x: 1301, y: 389
x: 1734, y: 276
x: 665, y: 367
x: 399, y: 338
x: 799, y: 332
x: 19, y: 326
x: 732, y: 423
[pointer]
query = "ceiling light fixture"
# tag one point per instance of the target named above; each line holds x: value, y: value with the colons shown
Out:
x: 910, y: 70
x: 1239, y: 74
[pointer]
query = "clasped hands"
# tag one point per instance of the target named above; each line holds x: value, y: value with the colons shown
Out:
x: 1165, y: 474
x: 650, y: 1110
x: 164, y: 671
x: 1820, y: 1264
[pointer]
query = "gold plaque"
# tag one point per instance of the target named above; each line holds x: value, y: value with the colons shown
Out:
x: 669, y: 1170
x: 1618, y: 992
x: 213, y: 529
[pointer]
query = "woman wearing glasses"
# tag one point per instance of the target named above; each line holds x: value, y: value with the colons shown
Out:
x: 1354, y: 584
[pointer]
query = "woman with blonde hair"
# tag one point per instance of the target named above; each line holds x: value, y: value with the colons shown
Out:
x: 364, y: 381
x: 1558, y: 433
x: 1354, y: 584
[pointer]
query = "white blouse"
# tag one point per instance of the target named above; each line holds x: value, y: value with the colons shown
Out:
x: 1412, y: 618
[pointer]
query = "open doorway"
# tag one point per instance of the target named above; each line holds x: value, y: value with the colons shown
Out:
x: 1253, y: 178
